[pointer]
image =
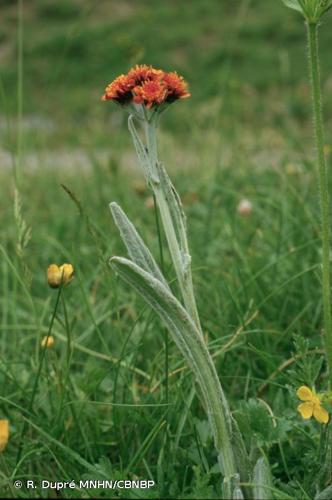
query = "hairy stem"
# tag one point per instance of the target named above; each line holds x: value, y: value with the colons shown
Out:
x: 184, y: 276
x: 312, y: 31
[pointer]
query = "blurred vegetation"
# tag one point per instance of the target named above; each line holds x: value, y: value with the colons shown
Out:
x: 244, y: 57
x: 245, y: 133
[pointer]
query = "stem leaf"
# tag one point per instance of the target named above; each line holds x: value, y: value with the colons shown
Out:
x: 138, y: 251
x: 141, y: 152
x: 293, y: 4
x: 192, y: 346
x: 176, y: 209
x: 162, y: 301
x: 312, y: 10
x: 325, y: 494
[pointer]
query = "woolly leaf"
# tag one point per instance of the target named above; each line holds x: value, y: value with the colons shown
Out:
x: 191, y: 344
x: 138, y: 251
x: 262, y: 480
x: 325, y: 494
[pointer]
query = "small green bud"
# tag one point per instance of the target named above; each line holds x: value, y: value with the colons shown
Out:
x: 312, y: 10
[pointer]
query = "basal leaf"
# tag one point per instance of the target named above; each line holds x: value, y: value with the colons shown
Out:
x: 182, y: 328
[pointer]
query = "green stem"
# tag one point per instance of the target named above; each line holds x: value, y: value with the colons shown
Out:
x: 160, y: 243
x: 8, y: 475
x: 68, y: 332
x: 38, y: 374
x: 212, y: 393
x: 166, y: 339
x: 161, y: 255
x: 312, y: 31
x: 184, y: 276
x: 218, y: 415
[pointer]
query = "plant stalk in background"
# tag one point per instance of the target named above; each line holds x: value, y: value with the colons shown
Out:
x: 312, y: 31
x: 312, y: 11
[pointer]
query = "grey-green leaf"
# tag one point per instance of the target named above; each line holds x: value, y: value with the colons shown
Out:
x: 138, y: 251
x: 143, y: 158
x: 293, y: 4
x: 237, y: 494
x: 192, y: 346
x: 163, y: 302
x: 325, y: 494
x: 311, y: 9
x: 182, y: 328
x: 241, y: 457
x: 139, y: 147
x: 262, y: 480
x: 175, y: 205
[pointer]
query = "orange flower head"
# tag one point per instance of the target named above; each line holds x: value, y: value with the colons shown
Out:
x: 150, y: 93
x: 142, y: 73
x: 147, y: 86
x: 119, y: 90
x: 177, y: 87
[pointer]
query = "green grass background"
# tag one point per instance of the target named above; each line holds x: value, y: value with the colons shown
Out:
x: 245, y: 133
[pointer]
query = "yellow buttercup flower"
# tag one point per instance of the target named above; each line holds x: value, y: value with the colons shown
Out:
x: 4, y: 434
x: 312, y: 405
x: 57, y: 275
x: 47, y: 341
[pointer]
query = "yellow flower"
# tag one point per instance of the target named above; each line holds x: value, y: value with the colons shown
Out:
x: 47, y: 341
x: 57, y: 275
x: 4, y: 434
x: 311, y: 406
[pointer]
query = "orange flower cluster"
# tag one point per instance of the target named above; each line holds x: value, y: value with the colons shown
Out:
x: 148, y: 86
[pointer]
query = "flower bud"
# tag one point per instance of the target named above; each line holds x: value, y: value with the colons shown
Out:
x: 47, y: 341
x: 58, y: 275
